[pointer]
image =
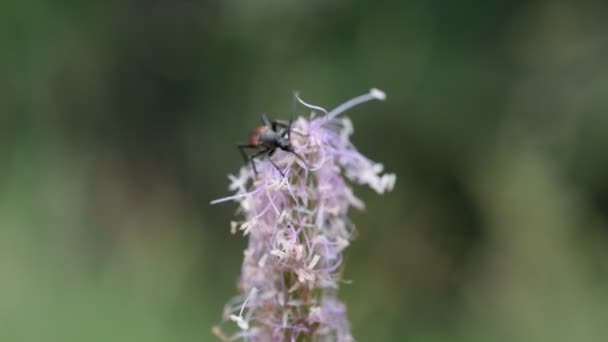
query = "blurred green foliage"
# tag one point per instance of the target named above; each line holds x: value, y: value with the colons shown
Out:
x: 118, y: 124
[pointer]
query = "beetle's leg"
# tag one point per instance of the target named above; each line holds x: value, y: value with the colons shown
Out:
x: 259, y: 154
x: 242, y: 148
x: 277, y: 123
x: 248, y: 158
x: 287, y: 130
x: 302, y: 159
x: 272, y: 151
x: 275, y: 165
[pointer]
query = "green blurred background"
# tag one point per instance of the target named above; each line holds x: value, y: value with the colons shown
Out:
x: 119, y: 121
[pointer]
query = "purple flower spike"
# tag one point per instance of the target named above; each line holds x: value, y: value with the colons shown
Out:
x: 298, y: 227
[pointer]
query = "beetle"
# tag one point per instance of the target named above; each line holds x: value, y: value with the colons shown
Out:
x: 266, y: 139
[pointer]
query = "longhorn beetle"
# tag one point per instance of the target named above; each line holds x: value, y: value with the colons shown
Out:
x: 267, y: 138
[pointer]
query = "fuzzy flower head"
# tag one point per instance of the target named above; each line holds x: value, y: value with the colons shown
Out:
x: 295, y: 214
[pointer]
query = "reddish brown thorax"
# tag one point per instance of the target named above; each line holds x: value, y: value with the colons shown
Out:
x: 254, y: 136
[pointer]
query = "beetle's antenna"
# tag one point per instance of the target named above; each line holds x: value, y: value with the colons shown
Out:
x: 289, y: 130
x: 294, y: 106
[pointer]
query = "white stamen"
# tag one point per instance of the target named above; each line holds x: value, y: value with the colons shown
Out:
x: 276, y: 210
x: 282, y: 216
x: 244, y: 325
x: 285, y: 318
x: 240, y: 182
x: 230, y: 198
x: 299, y: 251
x: 315, y: 311
x: 245, y: 227
x: 342, y: 243
x: 294, y: 287
x: 373, y: 94
x: 262, y: 261
x: 314, y: 262
x: 233, y: 227
x: 277, y: 253
x: 308, y: 105
x: 378, y: 94
x: 240, y: 322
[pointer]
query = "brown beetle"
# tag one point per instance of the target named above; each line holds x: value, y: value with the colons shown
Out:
x: 266, y: 139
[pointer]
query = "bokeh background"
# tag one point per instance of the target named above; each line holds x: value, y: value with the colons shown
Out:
x: 119, y: 121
